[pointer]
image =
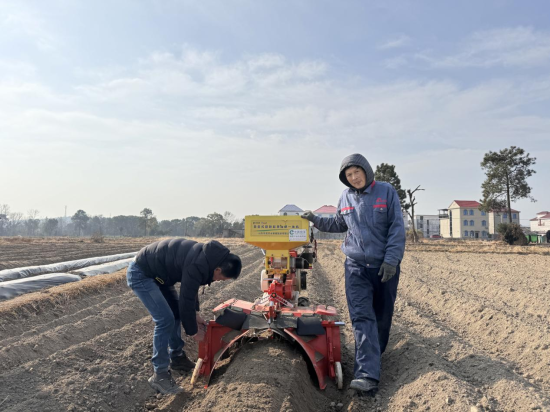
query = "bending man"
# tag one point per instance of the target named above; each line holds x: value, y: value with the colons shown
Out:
x: 152, y: 277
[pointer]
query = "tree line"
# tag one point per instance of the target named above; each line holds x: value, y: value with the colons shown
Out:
x: 145, y: 224
x: 506, y: 182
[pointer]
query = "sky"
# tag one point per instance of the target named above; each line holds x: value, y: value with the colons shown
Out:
x: 195, y: 107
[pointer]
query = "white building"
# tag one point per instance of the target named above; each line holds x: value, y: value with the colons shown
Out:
x: 290, y: 210
x: 326, y: 211
x: 427, y: 224
x: 541, y: 223
x: 463, y: 219
x: 496, y: 217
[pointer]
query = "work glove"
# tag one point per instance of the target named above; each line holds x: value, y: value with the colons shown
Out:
x: 387, y: 272
x: 308, y: 214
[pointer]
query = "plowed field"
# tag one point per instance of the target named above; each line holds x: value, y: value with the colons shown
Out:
x: 470, y: 333
x: 18, y: 252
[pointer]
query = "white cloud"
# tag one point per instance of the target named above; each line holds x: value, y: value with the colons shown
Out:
x: 19, y: 96
x: 266, y: 61
x: 396, y: 62
x: 211, y: 127
x: 197, y: 78
x: 19, y: 20
x: 268, y: 95
x: 395, y: 43
x: 521, y: 47
x: 13, y: 70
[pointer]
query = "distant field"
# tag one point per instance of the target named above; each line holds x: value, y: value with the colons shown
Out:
x: 27, y: 251
x: 478, y: 246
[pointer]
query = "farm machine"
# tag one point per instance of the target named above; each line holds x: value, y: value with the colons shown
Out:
x: 282, y: 310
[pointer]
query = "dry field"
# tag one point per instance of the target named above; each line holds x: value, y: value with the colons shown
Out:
x: 470, y: 333
x: 16, y: 252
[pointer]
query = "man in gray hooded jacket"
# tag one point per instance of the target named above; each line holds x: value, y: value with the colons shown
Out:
x: 370, y: 212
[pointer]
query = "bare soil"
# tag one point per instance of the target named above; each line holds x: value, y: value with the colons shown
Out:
x: 470, y: 331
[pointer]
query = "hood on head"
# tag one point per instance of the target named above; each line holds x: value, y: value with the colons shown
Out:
x: 356, y: 160
x: 215, y: 254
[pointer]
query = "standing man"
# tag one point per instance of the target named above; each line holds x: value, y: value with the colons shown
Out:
x: 152, y: 277
x: 371, y: 214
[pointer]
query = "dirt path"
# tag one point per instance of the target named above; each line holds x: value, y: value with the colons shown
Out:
x: 470, y: 330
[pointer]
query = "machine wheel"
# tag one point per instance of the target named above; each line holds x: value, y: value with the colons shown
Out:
x: 196, y: 371
x: 303, y: 280
x: 339, y: 375
x: 303, y: 301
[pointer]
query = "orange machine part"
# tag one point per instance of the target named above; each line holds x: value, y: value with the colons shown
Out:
x: 323, y: 350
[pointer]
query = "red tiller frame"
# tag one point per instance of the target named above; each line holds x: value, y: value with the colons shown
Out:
x: 322, y: 350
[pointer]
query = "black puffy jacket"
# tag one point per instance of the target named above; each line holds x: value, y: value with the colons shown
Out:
x: 180, y: 260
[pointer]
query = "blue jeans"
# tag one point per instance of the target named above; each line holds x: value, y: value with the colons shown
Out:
x: 162, y: 304
x: 370, y: 304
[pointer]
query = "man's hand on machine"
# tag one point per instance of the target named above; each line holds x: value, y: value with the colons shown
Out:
x: 308, y: 214
x: 201, y: 328
x: 387, y: 272
x: 200, y: 320
x: 201, y: 332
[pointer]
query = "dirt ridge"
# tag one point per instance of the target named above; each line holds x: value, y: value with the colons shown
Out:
x: 469, y: 331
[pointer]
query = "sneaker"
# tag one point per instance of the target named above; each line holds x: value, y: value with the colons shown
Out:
x: 365, y: 385
x: 164, y: 383
x: 182, y: 363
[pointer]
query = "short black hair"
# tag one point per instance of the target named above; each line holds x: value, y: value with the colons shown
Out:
x: 231, y: 266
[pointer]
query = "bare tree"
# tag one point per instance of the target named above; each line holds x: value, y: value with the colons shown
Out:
x: 146, y: 218
x: 410, y: 210
x: 50, y: 226
x: 4, y: 212
x: 97, y: 224
x: 189, y: 228
x: 14, y: 222
x: 32, y: 222
x: 80, y: 219
x: 228, y: 218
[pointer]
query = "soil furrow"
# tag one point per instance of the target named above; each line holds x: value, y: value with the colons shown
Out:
x: 493, y: 331
x: 35, y: 346
x: 470, y: 330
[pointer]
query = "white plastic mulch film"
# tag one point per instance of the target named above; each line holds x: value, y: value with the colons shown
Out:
x: 13, y: 288
x: 104, y: 268
x: 73, y: 265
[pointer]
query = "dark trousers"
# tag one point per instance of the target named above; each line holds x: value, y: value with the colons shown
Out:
x: 370, y: 304
x: 162, y: 304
